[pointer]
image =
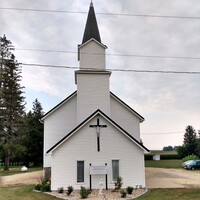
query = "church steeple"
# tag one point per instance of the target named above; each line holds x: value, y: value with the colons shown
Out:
x: 91, y: 28
x: 91, y: 53
x: 92, y: 78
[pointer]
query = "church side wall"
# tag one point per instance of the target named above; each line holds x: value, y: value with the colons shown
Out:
x: 125, y: 118
x: 82, y: 147
x: 58, y: 125
x: 92, y: 56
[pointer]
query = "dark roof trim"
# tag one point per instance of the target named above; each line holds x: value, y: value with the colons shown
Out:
x: 58, y: 105
x: 74, y: 93
x: 92, y: 39
x: 126, y: 105
x: 70, y: 133
x: 85, y: 121
x: 119, y: 127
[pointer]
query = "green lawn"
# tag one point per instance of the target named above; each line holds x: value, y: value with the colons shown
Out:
x: 26, y: 193
x: 169, y: 194
x: 163, y: 163
x: 23, y: 193
x: 17, y: 170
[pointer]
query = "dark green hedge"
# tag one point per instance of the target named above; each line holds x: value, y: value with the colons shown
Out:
x: 163, y: 157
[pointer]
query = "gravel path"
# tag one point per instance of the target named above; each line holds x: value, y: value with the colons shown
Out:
x: 172, y: 178
x: 107, y: 195
x: 24, y: 178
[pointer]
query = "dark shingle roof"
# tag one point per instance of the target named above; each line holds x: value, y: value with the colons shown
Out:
x: 91, y: 27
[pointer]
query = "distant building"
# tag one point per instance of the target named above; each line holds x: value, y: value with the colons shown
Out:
x: 156, y: 157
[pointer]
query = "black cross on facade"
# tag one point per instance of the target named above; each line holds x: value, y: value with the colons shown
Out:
x: 98, y: 126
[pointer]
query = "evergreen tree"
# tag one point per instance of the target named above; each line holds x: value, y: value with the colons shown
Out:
x: 190, y: 141
x: 198, y: 144
x: 11, y: 102
x: 34, y: 135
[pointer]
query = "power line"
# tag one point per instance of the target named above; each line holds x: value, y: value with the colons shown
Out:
x: 47, y: 50
x: 112, y: 54
x: 48, y: 66
x: 155, y: 71
x: 116, y: 70
x: 101, y: 13
x: 165, y: 133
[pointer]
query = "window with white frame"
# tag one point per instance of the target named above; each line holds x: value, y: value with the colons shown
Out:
x: 115, y: 169
x: 80, y: 171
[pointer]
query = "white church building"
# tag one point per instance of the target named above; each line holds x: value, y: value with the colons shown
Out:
x: 92, y: 134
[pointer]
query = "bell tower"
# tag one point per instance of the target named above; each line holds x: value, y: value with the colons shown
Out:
x: 92, y: 79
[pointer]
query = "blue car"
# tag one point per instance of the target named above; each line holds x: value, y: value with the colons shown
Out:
x: 185, y: 163
x: 192, y: 164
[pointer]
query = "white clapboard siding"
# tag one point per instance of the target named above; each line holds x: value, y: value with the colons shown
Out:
x: 83, y: 146
x: 92, y: 94
x: 125, y: 118
x: 58, y: 124
x: 92, y: 55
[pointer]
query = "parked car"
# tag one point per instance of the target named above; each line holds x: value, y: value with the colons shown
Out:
x: 192, y: 164
x: 185, y: 163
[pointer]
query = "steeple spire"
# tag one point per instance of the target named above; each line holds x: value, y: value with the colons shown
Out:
x: 91, y: 28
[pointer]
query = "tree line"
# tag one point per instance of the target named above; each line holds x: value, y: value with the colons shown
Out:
x: 21, y: 133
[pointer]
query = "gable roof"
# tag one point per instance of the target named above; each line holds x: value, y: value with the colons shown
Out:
x: 58, y: 105
x: 87, y: 42
x: 88, y: 119
x: 75, y: 93
x: 91, y: 28
x: 90, y: 40
x: 128, y: 107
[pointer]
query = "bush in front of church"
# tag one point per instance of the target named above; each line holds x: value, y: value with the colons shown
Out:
x: 43, y: 186
x: 129, y: 189
x: 60, y: 190
x: 70, y: 189
x: 118, y: 183
x: 84, y: 192
x: 123, y: 193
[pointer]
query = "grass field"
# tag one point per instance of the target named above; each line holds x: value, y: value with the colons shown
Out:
x: 26, y: 193
x: 17, y: 170
x: 22, y: 193
x: 163, y: 163
x: 169, y: 194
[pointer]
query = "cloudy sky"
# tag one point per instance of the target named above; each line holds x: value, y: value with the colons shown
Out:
x: 156, y: 35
